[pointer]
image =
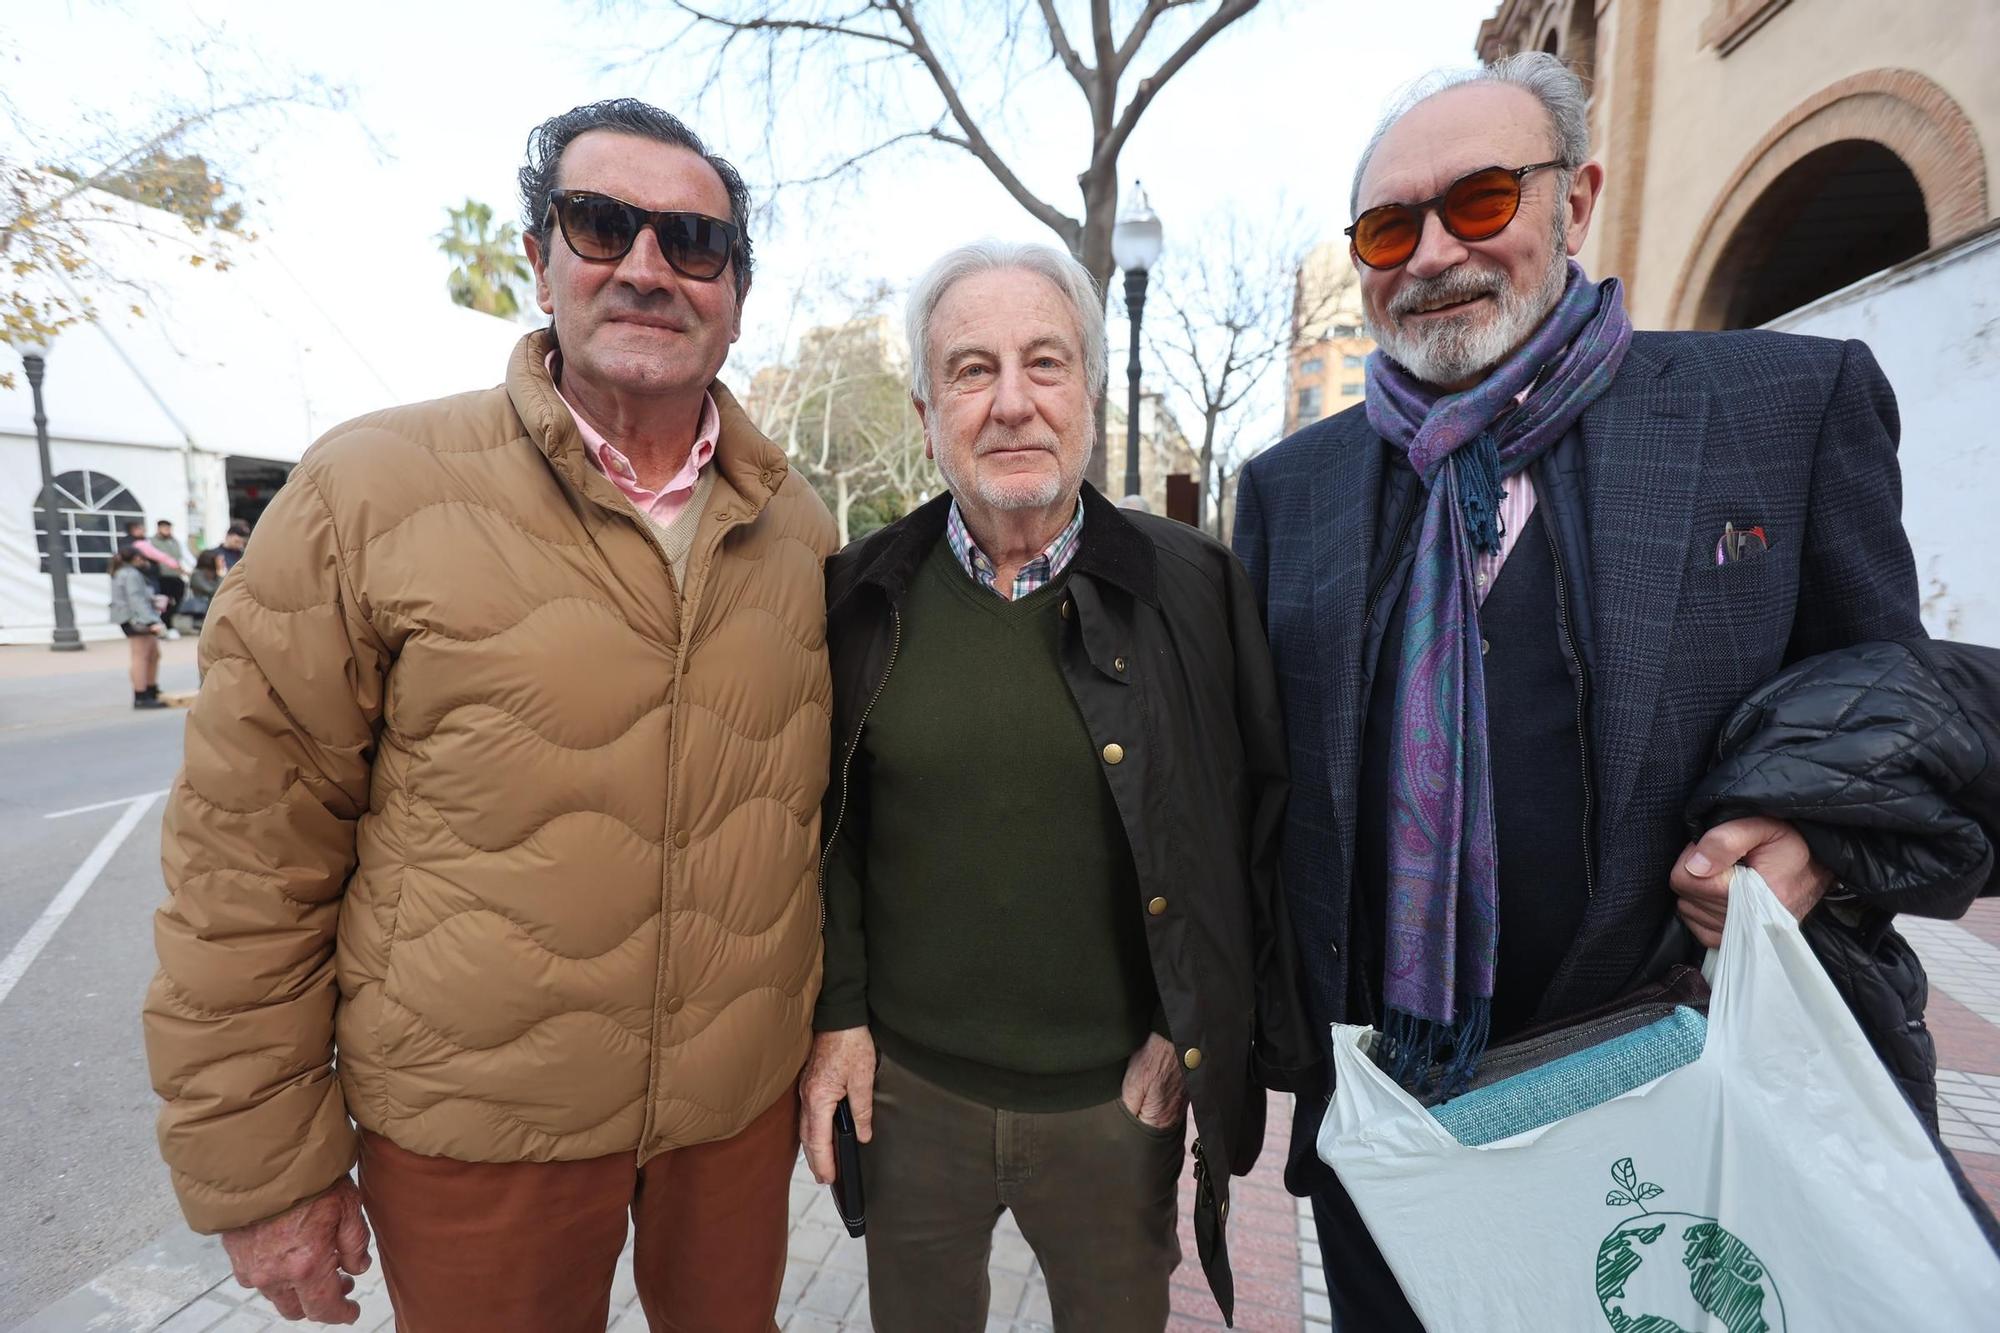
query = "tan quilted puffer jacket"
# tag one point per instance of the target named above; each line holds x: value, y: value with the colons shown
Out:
x: 488, y: 839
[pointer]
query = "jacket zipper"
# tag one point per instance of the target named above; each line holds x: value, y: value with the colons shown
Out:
x: 683, y: 620
x: 847, y: 760
x: 1395, y: 556
x: 1582, y: 689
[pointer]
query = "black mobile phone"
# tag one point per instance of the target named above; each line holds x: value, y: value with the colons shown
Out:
x: 847, y: 1170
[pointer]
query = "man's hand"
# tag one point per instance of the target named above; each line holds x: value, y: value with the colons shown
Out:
x: 842, y: 1064
x: 1155, y: 1092
x: 300, y: 1259
x: 1770, y: 847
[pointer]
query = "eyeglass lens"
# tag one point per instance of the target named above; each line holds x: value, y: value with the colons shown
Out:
x: 601, y: 228
x: 1475, y: 208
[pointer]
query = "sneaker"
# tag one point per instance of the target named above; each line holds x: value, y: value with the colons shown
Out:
x: 148, y: 701
x: 171, y: 634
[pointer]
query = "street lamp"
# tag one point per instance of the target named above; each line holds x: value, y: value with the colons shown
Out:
x: 1135, y: 247
x: 35, y: 360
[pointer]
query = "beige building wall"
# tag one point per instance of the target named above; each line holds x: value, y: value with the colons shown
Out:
x: 1324, y: 367
x: 1699, y: 105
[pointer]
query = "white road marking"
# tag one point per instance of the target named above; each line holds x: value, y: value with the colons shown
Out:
x: 23, y: 954
x: 104, y: 805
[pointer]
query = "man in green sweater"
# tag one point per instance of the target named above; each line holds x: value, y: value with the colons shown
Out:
x: 1051, y: 911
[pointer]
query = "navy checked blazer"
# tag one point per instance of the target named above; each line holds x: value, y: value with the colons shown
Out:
x: 1698, y: 430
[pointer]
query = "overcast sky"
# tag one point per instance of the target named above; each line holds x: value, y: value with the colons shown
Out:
x: 440, y: 98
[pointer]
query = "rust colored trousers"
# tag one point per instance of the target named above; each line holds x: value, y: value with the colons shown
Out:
x: 479, y: 1247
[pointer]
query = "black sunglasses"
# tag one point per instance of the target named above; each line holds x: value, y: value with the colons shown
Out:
x: 1475, y: 207
x: 603, y: 230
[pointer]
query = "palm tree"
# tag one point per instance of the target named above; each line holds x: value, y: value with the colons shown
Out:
x: 491, y: 269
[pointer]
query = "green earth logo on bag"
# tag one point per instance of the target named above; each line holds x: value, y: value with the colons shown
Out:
x: 1723, y: 1278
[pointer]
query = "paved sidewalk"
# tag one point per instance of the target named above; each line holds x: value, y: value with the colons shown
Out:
x: 181, y: 1284
x: 20, y: 661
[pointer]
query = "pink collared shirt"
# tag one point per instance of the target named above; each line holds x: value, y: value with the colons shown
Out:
x: 664, y: 505
x: 1516, y: 508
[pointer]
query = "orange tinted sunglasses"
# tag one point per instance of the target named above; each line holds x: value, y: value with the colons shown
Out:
x: 1475, y: 207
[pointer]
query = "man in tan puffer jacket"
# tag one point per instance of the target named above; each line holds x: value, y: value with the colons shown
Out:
x: 493, y: 864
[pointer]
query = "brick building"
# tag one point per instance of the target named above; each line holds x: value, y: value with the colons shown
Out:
x: 1760, y: 154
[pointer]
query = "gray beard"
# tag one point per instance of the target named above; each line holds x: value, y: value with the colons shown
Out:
x: 1452, y: 350
x: 1009, y: 495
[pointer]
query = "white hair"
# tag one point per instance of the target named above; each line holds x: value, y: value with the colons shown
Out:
x: 1551, y: 82
x: 1069, y: 277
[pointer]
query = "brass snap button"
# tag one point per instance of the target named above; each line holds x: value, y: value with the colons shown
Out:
x: 1114, y: 753
x: 1157, y: 907
x: 1193, y: 1058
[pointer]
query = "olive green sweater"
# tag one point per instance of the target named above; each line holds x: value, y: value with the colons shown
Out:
x: 999, y: 914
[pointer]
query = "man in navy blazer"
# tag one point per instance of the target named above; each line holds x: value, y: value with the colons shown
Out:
x: 1704, y: 509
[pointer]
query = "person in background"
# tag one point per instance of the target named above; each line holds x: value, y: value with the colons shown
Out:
x: 232, y: 544
x: 167, y: 544
x: 204, y: 580
x: 173, y: 568
x: 133, y: 611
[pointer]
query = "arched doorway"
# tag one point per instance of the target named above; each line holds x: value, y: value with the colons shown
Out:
x: 1868, y: 135
x: 1832, y: 218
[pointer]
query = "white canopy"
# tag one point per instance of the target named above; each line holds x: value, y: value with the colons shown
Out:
x: 187, y: 364
x: 257, y: 360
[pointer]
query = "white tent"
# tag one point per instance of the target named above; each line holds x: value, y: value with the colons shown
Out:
x: 190, y: 372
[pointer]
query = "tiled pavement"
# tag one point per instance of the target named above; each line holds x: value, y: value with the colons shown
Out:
x: 181, y: 1284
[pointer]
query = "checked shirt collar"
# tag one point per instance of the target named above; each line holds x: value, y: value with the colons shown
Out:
x: 1036, y: 574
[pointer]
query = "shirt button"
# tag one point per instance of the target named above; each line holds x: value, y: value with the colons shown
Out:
x: 1118, y: 665
x: 1193, y: 1058
x: 722, y: 518
x: 1063, y: 609
x: 1157, y: 907
x: 674, y: 1005
x: 1485, y: 647
x: 1114, y: 753
x: 681, y: 838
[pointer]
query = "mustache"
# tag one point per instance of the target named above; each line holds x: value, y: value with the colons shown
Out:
x: 1463, y: 283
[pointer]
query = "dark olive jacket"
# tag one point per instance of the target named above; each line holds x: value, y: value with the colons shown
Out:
x: 1165, y: 656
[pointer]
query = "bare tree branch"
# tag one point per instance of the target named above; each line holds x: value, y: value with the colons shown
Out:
x: 975, y: 140
x: 852, y: 161
x: 1066, y: 53
x: 1225, y: 14
x: 1140, y: 28
x: 832, y: 28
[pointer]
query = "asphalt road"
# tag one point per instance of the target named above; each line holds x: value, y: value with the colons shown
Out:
x: 81, y: 1184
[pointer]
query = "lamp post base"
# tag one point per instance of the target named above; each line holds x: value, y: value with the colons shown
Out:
x: 66, y: 641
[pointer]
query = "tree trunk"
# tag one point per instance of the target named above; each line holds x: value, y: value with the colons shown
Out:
x: 1201, y: 492
x: 843, y: 501
x: 1093, y: 251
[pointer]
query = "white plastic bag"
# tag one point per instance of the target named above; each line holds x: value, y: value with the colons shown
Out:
x: 1779, y: 1183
